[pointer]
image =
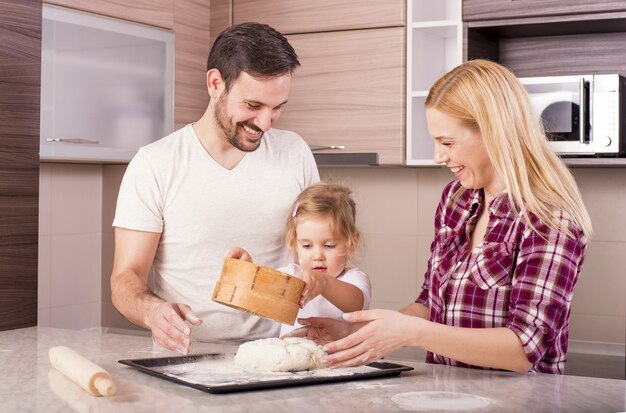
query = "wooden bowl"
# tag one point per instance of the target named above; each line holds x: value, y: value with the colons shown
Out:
x: 259, y: 290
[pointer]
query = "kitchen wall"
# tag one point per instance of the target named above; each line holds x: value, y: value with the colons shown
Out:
x: 77, y: 205
x: 70, y: 245
x: 395, y: 213
x: 396, y: 207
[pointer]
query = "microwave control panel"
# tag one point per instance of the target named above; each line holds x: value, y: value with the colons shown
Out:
x: 606, y: 122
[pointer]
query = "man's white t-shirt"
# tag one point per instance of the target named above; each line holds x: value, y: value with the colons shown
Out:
x: 173, y: 186
x: 320, y: 306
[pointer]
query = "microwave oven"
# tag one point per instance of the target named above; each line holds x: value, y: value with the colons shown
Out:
x: 582, y: 115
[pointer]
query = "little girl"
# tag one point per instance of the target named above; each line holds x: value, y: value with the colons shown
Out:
x: 322, y: 236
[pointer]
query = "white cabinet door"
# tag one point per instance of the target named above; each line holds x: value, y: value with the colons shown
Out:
x: 106, y: 87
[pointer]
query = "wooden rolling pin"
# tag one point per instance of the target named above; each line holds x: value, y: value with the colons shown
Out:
x: 81, y: 371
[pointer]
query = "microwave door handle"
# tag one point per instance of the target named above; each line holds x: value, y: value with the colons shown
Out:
x: 583, y: 92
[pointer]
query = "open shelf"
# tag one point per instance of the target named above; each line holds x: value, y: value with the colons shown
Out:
x: 434, y: 47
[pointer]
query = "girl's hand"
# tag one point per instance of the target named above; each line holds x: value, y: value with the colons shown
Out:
x: 384, y: 332
x: 315, y: 285
x: 322, y: 330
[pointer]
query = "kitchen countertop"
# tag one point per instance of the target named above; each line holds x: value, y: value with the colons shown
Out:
x: 29, y: 383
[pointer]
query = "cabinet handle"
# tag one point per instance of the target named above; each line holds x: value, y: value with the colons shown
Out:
x: 325, y: 148
x: 73, y: 140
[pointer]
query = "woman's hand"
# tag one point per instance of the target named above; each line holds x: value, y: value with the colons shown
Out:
x: 323, y: 330
x: 315, y: 285
x: 381, y: 332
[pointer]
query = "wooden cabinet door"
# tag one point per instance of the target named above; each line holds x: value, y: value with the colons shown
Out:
x: 305, y: 16
x: 350, y: 91
x: 502, y: 9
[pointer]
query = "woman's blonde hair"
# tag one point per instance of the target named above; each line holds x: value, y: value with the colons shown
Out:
x: 487, y: 97
x: 326, y: 199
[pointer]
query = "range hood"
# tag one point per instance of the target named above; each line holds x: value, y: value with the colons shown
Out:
x: 343, y: 159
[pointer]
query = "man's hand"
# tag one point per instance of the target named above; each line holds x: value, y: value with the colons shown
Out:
x: 168, y: 326
x: 239, y: 253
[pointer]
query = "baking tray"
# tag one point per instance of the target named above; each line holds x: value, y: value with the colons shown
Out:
x: 216, y: 373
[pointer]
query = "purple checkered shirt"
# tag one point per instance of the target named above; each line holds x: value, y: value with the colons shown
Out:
x: 514, y: 278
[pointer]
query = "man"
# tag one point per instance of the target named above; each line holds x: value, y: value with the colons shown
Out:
x: 226, y: 180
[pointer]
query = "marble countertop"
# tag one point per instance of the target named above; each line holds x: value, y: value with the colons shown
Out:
x: 30, y: 384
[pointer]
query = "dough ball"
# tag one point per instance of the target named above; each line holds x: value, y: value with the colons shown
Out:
x: 275, y: 354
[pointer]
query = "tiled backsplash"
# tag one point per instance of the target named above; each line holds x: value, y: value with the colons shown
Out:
x: 70, y: 245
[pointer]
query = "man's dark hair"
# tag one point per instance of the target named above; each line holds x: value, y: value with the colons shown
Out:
x: 254, y: 48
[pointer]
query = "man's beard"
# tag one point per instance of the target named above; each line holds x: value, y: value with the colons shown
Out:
x: 230, y: 130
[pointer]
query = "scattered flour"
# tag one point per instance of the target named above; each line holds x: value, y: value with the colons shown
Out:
x: 369, y: 384
x: 275, y: 354
x: 439, y: 401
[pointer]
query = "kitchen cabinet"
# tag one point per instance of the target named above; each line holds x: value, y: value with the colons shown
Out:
x: 189, y: 20
x: 304, y: 16
x: 20, y: 66
x: 158, y: 13
x: 434, y: 46
x: 503, y: 9
x: 133, y: 64
x: 221, y: 12
x: 551, y: 45
x: 191, y: 48
x: 349, y: 92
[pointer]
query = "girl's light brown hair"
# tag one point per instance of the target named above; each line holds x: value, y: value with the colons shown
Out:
x: 487, y: 97
x: 325, y: 199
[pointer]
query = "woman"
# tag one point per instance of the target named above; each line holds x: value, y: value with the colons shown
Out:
x: 510, y: 238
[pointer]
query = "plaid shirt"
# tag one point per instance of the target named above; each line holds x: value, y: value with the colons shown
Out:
x: 514, y: 278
